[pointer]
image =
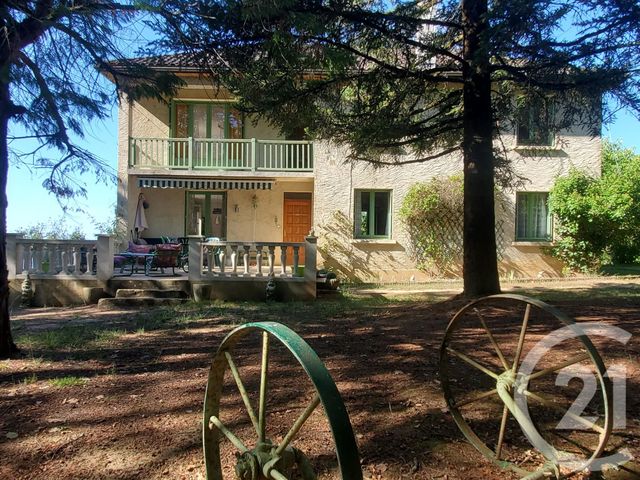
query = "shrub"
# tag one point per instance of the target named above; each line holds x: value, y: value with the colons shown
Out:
x: 598, y: 219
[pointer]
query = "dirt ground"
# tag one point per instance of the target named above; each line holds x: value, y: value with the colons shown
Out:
x: 118, y: 394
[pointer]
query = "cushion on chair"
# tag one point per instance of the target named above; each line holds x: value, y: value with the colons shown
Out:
x: 167, y: 255
x: 133, y: 248
x: 171, y: 247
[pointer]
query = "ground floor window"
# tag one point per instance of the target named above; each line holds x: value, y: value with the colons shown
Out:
x: 372, y: 214
x: 206, y: 214
x: 533, y: 221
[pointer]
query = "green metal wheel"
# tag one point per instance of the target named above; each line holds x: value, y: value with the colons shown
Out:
x: 257, y: 456
x: 516, y: 373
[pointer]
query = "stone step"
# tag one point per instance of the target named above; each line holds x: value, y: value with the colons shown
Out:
x: 138, y: 302
x: 149, y: 293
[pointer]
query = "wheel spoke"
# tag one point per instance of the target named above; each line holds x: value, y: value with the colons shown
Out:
x: 492, y: 339
x: 475, y: 398
x: 298, y: 424
x: 568, y: 413
x: 263, y: 388
x: 523, y: 334
x: 243, y: 391
x: 503, y: 427
x: 473, y: 363
x: 227, y: 433
x: 571, y: 361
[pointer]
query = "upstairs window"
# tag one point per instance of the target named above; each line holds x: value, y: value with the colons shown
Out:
x: 205, y: 120
x: 372, y: 214
x: 533, y: 221
x: 534, y: 124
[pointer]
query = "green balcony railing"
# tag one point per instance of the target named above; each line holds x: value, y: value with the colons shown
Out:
x: 221, y: 154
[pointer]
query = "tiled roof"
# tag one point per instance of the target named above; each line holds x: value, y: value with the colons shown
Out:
x: 178, y: 62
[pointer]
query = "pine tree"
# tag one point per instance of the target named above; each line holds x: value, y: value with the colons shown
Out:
x: 51, y: 54
x: 410, y: 81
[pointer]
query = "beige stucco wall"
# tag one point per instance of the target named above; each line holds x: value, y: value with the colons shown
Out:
x: 166, y: 212
x: 149, y: 118
x: 365, y: 260
x: 264, y: 222
x: 390, y: 260
x: 333, y: 185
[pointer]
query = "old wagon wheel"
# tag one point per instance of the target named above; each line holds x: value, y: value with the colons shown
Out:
x: 259, y: 457
x: 508, y: 391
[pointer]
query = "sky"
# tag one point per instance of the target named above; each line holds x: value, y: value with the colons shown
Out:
x: 30, y: 203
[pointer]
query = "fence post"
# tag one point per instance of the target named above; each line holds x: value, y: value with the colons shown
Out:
x: 254, y: 154
x: 12, y: 254
x: 310, y: 258
x: 195, y: 259
x: 104, y: 264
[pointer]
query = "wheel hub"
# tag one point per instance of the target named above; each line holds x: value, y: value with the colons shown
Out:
x: 255, y: 464
x: 506, y: 380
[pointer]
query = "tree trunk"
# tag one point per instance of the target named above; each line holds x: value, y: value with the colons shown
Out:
x: 7, y: 347
x: 480, y: 262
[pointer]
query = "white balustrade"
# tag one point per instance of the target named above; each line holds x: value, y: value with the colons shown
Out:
x: 243, y: 259
x: 234, y: 259
x: 271, y: 258
x: 54, y: 257
x: 259, y: 260
x: 221, y: 154
x: 283, y: 262
x: 219, y: 259
x: 296, y: 259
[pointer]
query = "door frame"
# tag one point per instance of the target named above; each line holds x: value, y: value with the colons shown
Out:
x: 207, y: 208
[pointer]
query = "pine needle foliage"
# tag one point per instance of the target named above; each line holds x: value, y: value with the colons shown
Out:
x: 52, y: 56
x: 406, y: 81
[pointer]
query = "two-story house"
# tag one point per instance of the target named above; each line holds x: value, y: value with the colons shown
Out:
x: 207, y: 170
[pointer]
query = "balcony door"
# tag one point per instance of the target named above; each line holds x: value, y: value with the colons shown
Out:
x: 206, y: 123
x: 206, y: 214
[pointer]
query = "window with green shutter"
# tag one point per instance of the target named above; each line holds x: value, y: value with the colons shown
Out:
x: 372, y: 214
x: 533, y: 221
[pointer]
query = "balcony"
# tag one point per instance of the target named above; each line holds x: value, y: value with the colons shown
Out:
x: 205, y: 154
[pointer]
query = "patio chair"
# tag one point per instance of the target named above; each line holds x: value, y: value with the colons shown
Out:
x: 167, y: 256
x: 122, y: 260
x: 183, y: 261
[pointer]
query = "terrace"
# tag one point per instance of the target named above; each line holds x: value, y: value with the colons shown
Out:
x: 76, y: 271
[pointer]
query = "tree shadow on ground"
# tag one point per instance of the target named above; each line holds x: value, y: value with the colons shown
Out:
x: 138, y: 414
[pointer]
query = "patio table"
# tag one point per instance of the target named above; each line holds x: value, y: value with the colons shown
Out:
x: 132, y: 259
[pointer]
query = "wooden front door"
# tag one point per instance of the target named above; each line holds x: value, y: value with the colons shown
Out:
x: 297, y: 221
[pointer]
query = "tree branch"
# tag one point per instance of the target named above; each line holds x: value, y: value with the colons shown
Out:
x: 47, y: 95
x: 435, y: 156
